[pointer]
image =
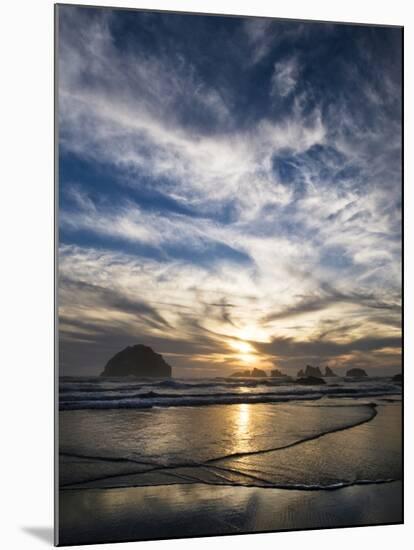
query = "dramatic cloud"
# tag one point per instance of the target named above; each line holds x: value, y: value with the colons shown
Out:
x: 228, y: 180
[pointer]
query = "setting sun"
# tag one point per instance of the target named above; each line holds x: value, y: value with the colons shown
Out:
x: 242, y: 347
x: 245, y: 351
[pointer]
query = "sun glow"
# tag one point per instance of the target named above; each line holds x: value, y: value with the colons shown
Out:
x: 242, y: 347
x: 245, y: 351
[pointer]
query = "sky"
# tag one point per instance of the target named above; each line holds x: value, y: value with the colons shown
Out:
x: 229, y: 192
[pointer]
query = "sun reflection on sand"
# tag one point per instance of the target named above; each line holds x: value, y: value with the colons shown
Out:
x: 242, y: 426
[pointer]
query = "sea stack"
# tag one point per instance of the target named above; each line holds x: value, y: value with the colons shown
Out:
x: 276, y: 373
x: 310, y: 371
x: 240, y: 374
x: 310, y: 381
x: 329, y: 372
x: 356, y: 373
x: 258, y: 373
x: 140, y: 361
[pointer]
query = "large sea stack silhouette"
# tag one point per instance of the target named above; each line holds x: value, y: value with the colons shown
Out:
x: 138, y: 360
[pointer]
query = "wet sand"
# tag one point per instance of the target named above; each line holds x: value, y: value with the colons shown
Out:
x: 348, y: 476
x: 279, y: 446
x: 144, y: 513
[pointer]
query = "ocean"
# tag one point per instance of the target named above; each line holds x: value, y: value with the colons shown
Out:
x: 76, y: 393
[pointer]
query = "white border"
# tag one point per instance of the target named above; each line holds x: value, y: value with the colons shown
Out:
x: 26, y: 253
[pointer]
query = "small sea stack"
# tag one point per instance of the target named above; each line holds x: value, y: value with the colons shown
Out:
x: 240, y: 374
x: 310, y: 381
x: 356, y: 373
x: 255, y: 373
x: 276, y: 373
x: 310, y: 371
x: 258, y: 373
x: 329, y: 372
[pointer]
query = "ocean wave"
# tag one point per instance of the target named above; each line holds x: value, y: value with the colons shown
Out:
x: 117, y: 385
x: 143, y: 401
x: 113, y: 393
x: 177, y: 401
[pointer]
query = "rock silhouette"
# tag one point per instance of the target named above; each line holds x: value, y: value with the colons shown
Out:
x: 310, y: 371
x: 310, y: 381
x: 329, y: 372
x: 256, y: 373
x: 138, y: 360
x: 356, y: 373
x: 240, y: 374
x: 276, y: 373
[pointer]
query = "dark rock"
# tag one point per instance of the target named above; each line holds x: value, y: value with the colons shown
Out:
x: 276, y: 373
x: 313, y: 371
x: 240, y: 374
x: 356, y: 373
x: 310, y: 371
x: 329, y: 372
x: 258, y: 373
x: 139, y: 361
x: 397, y: 378
x: 310, y: 381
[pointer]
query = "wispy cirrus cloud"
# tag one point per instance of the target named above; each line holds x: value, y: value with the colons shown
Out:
x: 284, y: 78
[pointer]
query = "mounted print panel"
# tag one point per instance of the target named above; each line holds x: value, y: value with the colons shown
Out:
x: 229, y: 275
